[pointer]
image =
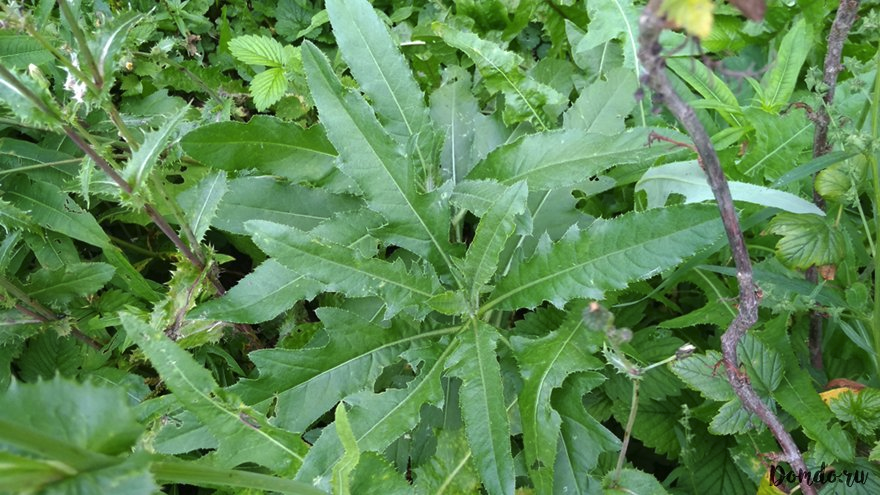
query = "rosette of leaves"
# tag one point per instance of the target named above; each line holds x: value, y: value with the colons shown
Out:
x: 413, y: 307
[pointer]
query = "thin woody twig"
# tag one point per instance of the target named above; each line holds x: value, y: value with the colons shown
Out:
x: 843, y: 21
x: 650, y: 26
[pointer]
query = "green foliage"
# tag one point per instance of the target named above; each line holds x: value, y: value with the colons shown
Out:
x: 357, y: 247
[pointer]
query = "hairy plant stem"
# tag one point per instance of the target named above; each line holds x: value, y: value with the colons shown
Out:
x: 76, y: 134
x: 627, y: 433
x: 74, y: 25
x: 651, y: 24
x: 843, y: 21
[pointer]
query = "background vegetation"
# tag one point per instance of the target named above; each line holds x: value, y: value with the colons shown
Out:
x: 343, y: 247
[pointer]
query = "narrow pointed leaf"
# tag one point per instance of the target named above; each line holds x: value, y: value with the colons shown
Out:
x: 243, y: 434
x: 276, y: 201
x: 494, y: 229
x: 309, y: 381
x: 261, y: 295
x: 604, y: 105
x: 142, y: 161
x: 525, y: 97
x: 265, y: 143
x: 71, y: 280
x: 54, y: 210
x: 379, y: 67
x: 779, y: 82
x: 708, y: 85
x: 608, y: 256
x: 544, y: 364
x: 562, y: 158
x: 377, y: 419
x: 339, y: 269
x: 419, y: 223
x: 201, y: 201
x: 483, y: 406
x: 689, y: 180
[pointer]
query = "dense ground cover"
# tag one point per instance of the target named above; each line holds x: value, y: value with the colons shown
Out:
x: 434, y: 247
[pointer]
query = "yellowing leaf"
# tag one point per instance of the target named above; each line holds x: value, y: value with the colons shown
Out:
x: 767, y: 487
x: 829, y: 395
x: 694, y: 16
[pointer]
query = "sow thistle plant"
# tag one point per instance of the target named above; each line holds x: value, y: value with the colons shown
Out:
x: 422, y: 313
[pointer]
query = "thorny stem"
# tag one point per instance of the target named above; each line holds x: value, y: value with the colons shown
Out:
x: 651, y: 25
x: 163, y: 225
x: 843, y: 21
x: 73, y: 23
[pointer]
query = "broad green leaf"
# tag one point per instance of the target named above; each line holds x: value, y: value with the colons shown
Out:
x: 778, y: 84
x: 200, y: 202
x: 17, y: 51
x: 712, y: 466
x: 525, y: 98
x: 142, y: 161
x: 352, y: 229
x: 418, y: 222
x: 762, y: 363
x: 734, y: 419
x: 808, y: 240
x: 38, y: 162
x: 265, y: 143
x: 54, y: 210
x: 483, y: 405
x: 377, y: 64
x: 450, y: 467
x: 860, y: 410
x: 261, y: 295
x: 52, y: 250
x: 613, y: 20
x: 708, y: 85
x: 689, y: 180
x: 50, y: 354
x: 544, y: 363
x: 477, y: 196
x: 609, y: 255
x: 309, y: 381
x: 495, y: 227
x: 631, y: 481
x: 343, y: 469
x: 470, y: 135
x: 604, y: 105
x: 780, y: 142
x: 268, y: 87
x: 88, y: 416
x: 582, y: 437
x: 266, y: 198
x: 257, y: 50
x: 374, y: 474
x: 243, y: 435
x: 562, y: 158
x: 378, y: 419
x: 57, y: 287
x: 339, y: 269
x: 705, y: 373
x: 845, y: 181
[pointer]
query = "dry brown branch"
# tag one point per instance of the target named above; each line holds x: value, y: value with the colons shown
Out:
x: 843, y: 21
x: 650, y: 26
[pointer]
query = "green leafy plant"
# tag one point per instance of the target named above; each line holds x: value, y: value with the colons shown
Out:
x: 336, y: 247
